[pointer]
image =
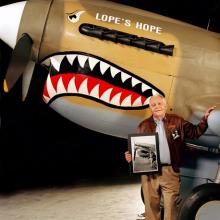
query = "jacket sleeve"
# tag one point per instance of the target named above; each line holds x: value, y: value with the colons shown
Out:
x: 138, y: 130
x: 194, y: 131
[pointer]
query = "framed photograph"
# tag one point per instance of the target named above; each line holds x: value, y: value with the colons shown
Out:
x: 144, y: 149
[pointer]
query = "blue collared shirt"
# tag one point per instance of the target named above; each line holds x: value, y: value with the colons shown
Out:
x: 163, y: 144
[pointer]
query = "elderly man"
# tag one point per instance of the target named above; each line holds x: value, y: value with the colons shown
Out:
x: 172, y: 130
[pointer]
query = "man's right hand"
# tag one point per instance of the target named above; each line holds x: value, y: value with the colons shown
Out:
x: 128, y: 156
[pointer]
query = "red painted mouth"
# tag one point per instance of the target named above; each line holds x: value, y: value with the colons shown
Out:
x: 70, y: 83
x: 90, y: 77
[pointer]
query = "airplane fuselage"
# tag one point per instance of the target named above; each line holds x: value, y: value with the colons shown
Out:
x: 105, y: 60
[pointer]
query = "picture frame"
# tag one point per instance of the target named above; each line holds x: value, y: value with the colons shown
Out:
x: 144, y: 149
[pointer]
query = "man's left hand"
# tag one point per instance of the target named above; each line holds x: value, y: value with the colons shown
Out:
x: 208, y: 111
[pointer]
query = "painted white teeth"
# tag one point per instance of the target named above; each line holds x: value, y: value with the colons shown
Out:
x: 92, y: 62
x: 155, y: 92
x: 124, y: 76
x: 72, y: 86
x: 46, y: 99
x: 103, y: 67
x: 50, y: 89
x: 82, y: 59
x: 137, y: 102
x: 127, y: 101
x: 47, y: 62
x: 147, y: 101
x: 60, y: 87
x: 114, y: 71
x: 106, y: 95
x: 71, y: 58
x: 83, y: 87
x: 134, y: 81
x: 144, y: 87
x: 56, y: 60
x: 116, y: 99
x: 95, y: 92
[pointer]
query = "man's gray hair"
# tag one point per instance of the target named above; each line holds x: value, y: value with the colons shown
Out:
x: 158, y: 95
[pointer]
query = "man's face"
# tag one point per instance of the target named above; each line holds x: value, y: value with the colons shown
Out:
x: 158, y: 107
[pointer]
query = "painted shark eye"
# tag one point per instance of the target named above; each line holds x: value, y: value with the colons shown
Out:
x: 75, y: 16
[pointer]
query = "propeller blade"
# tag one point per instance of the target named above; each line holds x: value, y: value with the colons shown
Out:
x: 19, y: 60
x: 26, y: 80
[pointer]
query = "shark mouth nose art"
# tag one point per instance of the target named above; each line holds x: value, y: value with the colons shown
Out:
x: 88, y: 76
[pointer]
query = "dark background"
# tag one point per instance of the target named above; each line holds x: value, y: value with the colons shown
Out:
x: 197, y: 12
x: 38, y: 146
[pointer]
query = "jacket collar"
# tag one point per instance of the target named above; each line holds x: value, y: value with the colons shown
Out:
x: 164, y: 118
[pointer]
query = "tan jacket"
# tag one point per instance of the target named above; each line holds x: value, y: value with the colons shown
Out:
x: 177, y: 129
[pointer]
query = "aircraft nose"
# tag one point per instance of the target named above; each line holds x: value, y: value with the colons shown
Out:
x: 10, y: 17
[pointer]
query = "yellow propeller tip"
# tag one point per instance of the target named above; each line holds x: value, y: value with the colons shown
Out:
x: 5, y: 86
